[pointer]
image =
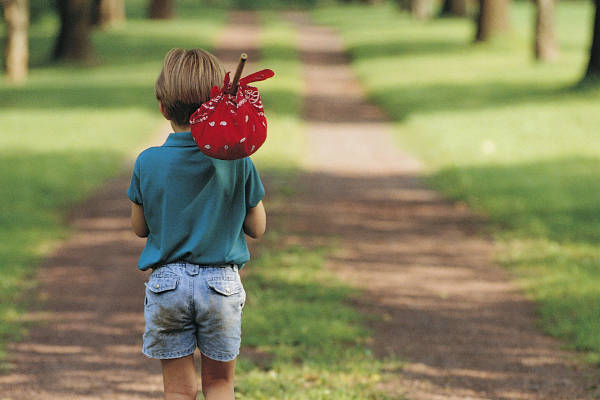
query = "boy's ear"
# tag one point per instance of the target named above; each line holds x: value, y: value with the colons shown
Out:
x: 162, y: 109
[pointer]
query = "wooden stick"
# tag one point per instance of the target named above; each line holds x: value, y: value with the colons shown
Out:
x: 238, y: 74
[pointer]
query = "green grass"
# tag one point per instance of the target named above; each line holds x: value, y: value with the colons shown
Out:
x: 301, y: 339
x: 69, y: 128
x: 515, y: 139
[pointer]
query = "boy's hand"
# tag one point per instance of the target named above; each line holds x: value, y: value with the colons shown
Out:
x: 255, y: 222
x: 138, y: 221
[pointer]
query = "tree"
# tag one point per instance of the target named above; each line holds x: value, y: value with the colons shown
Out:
x: 404, y: 4
x: 73, y: 41
x: 593, y: 70
x: 546, y: 48
x: 457, y: 8
x: 493, y: 19
x: 108, y: 12
x: 421, y: 9
x: 161, y: 9
x: 16, y: 14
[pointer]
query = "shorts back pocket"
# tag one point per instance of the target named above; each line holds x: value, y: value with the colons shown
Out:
x: 160, y: 284
x: 225, y: 287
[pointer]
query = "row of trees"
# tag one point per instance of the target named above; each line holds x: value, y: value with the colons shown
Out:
x: 77, y: 19
x: 493, y: 19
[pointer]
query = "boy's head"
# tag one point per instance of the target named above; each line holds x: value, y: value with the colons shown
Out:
x: 185, y: 82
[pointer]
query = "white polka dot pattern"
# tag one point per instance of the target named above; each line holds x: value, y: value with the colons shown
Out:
x: 228, y: 126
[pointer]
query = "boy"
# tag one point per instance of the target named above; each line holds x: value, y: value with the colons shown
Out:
x: 194, y: 211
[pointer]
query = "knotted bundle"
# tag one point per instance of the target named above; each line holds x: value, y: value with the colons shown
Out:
x: 232, y: 124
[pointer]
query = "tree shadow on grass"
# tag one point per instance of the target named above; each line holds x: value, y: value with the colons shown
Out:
x: 80, y: 95
x: 400, y: 101
x: 101, y: 96
x: 407, y: 48
x: 555, y: 199
x: 143, y: 45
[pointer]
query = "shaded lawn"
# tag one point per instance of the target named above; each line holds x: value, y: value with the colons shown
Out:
x: 515, y: 139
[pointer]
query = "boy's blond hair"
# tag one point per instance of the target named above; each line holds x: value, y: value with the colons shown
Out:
x: 185, y: 82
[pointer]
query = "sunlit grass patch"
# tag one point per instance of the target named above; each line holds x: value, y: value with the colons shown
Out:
x: 515, y: 139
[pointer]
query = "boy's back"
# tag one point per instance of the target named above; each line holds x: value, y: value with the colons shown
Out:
x: 194, y: 205
x: 194, y: 211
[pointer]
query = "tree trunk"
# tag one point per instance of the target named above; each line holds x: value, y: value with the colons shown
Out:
x: 421, y: 9
x: 454, y: 8
x: 73, y: 42
x: 108, y: 12
x: 493, y: 19
x: 404, y: 4
x: 16, y: 15
x: 593, y: 70
x: 459, y: 7
x: 446, y: 8
x: 161, y: 9
x: 546, y: 48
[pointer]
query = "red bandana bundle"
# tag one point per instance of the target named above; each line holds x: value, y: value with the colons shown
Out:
x: 228, y: 126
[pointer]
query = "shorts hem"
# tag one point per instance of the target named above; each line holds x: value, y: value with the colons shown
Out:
x: 220, y: 356
x: 169, y: 354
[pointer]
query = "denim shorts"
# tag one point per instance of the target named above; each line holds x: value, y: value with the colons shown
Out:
x: 188, y: 305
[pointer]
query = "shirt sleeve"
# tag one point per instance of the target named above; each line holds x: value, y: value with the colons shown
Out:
x: 254, y: 187
x: 134, y: 193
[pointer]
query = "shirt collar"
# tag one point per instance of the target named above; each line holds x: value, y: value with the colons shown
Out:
x: 180, y: 139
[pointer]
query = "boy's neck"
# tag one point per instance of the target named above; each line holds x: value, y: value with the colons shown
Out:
x: 179, y: 128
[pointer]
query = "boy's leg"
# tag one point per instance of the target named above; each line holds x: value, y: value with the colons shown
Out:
x: 217, y: 379
x: 179, y: 378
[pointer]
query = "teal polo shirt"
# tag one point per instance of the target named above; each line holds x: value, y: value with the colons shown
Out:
x: 194, y: 205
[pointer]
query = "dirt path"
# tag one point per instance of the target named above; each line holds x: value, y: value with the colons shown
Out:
x: 460, y: 324
x: 87, y: 338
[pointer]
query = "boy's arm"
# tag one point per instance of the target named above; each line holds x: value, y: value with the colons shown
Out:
x: 255, y: 222
x: 138, y: 221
